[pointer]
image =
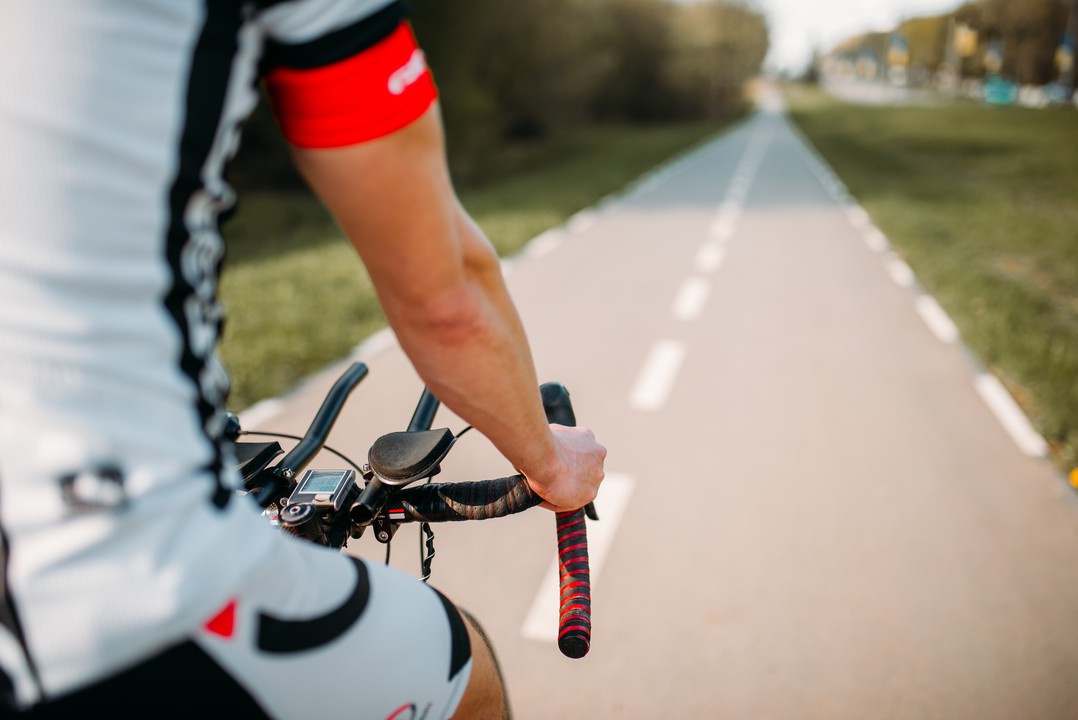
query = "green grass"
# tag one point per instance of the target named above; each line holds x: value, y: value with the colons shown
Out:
x: 296, y: 295
x: 298, y: 298
x: 982, y: 202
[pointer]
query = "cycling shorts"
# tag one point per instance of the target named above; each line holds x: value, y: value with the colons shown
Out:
x: 311, y: 632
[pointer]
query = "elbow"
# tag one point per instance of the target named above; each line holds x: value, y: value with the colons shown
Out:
x: 451, y: 318
x: 462, y: 306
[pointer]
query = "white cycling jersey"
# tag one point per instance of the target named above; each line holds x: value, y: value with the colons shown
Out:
x: 120, y: 530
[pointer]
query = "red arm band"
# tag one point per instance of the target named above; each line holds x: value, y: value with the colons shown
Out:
x: 366, y: 96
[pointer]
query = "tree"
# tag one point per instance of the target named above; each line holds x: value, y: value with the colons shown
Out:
x: 927, y: 40
x: 721, y: 46
x: 1030, y: 31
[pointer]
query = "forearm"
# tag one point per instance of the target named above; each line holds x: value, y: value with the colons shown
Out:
x: 439, y: 283
x: 468, y: 345
x: 441, y: 286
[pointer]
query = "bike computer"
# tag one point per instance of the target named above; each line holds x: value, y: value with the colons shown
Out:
x: 323, y: 488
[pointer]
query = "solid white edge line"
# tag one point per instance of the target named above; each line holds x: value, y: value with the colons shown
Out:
x: 657, y: 377
x: 690, y: 299
x: 1010, y: 415
x: 541, y: 622
x: 937, y: 319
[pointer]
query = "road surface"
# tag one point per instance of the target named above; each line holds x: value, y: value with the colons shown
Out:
x: 817, y: 505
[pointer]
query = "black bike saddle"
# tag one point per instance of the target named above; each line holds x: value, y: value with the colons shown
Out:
x: 401, y: 458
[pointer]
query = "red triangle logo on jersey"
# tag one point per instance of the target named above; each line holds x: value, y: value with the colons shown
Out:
x: 224, y: 622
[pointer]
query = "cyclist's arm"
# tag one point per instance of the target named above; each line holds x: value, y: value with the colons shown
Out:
x: 441, y: 286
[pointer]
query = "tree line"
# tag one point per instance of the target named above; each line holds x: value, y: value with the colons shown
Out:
x: 1017, y: 39
x: 524, y: 71
x: 1028, y: 33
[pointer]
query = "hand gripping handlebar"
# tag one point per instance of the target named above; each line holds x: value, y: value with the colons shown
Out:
x: 456, y: 501
x: 480, y: 500
x: 574, y: 618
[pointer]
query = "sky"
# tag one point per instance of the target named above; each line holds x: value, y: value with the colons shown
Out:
x: 799, y: 26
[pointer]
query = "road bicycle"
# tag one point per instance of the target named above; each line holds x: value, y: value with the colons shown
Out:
x: 332, y: 506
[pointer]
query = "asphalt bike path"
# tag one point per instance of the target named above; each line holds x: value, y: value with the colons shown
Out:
x: 817, y: 505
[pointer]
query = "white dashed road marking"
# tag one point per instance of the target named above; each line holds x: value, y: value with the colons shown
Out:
x: 691, y: 298
x: 582, y: 221
x: 858, y: 217
x: 936, y: 319
x: 709, y: 257
x: 900, y: 272
x: 544, y: 243
x: 876, y: 241
x: 657, y: 377
x: 1011, y: 416
x: 723, y: 226
x: 994, y: 394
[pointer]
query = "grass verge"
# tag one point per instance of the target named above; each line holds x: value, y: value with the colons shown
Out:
x: 982, y: 202
x: 298, y: 297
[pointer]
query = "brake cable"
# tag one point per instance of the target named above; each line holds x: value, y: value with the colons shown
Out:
x: 296, y: 437
x: 426, y: 535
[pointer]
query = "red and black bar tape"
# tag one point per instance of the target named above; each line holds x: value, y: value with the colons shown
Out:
x: 574, y: 617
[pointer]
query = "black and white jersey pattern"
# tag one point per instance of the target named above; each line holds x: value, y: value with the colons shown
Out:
x: 117, y: 120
